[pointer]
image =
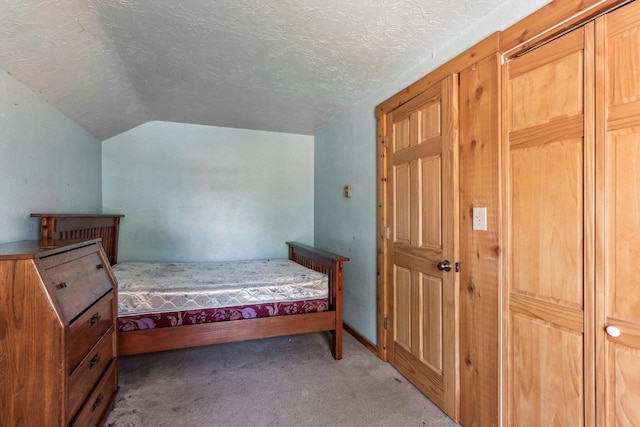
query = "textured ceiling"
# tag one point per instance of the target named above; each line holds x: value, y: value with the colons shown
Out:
x: 282, y: 65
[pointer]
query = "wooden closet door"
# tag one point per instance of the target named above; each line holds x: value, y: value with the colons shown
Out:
x: 423, y: 212
x: 549, y: 192
x: 618, y: 60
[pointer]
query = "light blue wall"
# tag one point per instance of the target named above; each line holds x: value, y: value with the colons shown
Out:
x: 196, y: 193
x: 345, y: 153
x: 47, y: 162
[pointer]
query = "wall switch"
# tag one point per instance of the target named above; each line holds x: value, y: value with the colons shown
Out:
x: 480, y: 219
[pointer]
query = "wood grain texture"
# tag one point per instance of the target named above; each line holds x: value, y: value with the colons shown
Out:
x: 547, y: 375
x: 423, y: 204
x: 31, y: 353
x: 383, y: 223
x: 548, y: 107
x: 549, y: 22
x: 40, y: 348
x: 618, y: 195
x: 149, y: 340
x: 480, y: 251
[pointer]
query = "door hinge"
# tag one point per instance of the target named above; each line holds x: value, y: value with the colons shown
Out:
x: 384, y: 141
x: 386, y: 233
x: 457, y: 266
x: 386, y: 323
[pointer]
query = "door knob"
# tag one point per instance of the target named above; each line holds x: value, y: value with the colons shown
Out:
x: 444, y: 265
x: 613, y: 331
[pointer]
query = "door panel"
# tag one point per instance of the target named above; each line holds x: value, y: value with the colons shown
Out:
x: 432, y: 302
x: 547, y: 224
x: 618, y: 270
x: 547, y: 289
x: 402, y: 202
x: 402, y: 323
x: 423, y: 209
x: 431, y: 202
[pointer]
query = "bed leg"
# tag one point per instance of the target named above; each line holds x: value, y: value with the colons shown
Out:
x: 336, y: 345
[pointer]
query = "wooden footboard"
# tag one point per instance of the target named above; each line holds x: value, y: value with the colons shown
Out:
x: 332, y: 265
x: 86, y: 226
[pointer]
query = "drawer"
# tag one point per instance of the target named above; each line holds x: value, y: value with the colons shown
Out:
x: 85, y: 332
x: 100, y: 400
x: 86, y: 375
x: 78, y: 283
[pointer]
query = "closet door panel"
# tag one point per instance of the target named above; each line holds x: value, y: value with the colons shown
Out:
x: 618, y: 271
x: 547, y: 363
x: 546, y: 97
x: 625, y: 149
x: 547, y: 216
x: 551, y: 80
x: 625, y: 365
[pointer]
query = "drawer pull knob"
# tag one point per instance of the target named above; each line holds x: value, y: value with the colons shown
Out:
x: 97, y: 403
x: 99, y: 266
x: 95, y: 318
x: 62, y: 285
x: 93, y: 362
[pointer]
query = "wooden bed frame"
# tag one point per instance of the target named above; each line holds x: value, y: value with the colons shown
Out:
x: 69, y: 226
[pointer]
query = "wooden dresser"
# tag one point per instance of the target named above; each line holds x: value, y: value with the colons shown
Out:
x: 57, y: 334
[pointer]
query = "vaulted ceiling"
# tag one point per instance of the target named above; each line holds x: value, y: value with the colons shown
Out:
x: 276, y: 65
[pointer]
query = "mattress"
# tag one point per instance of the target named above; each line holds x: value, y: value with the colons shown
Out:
x: 153, y: 287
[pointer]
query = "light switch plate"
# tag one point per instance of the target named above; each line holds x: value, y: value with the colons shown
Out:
x: 480, y: 219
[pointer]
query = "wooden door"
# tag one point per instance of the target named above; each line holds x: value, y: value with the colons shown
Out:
x: 547, y: 105
x: 423, y: 214
x: 618, y: 273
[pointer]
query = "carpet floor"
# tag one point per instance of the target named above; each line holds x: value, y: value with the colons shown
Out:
x: 286, y: 381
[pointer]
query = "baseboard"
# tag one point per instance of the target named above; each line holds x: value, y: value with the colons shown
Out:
x: 362, y: 340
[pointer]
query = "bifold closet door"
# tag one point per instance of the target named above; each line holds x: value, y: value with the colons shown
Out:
x: 548, y: 168
x: 618, y: 60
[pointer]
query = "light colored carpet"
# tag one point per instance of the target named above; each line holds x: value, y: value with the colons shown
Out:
x: 287, y: 381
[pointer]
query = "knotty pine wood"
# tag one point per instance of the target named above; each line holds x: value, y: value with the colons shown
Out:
x: 383, y: 248
x: 550, y: 21
x: 617, y: 226
x: 548, y: 223
x: 423, y: 187
x: 480, y: 251
x: 541, y: 26
x: 481, y: 50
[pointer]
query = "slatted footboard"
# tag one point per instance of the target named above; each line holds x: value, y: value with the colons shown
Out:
x: 333, y: 266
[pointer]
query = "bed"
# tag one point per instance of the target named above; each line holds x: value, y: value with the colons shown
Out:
x: 175, y: 322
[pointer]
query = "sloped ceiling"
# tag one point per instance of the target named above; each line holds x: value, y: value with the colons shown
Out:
x: 281, y: 65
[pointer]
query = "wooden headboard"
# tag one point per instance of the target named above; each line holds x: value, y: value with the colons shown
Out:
x: 82, y: 226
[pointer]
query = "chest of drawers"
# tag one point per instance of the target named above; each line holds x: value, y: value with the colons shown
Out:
x: 58, y: 363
